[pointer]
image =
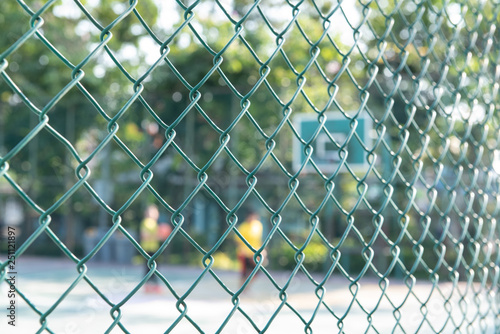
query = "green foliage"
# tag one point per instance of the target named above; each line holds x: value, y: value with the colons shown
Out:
x: 283, y: 256
x: 225, y: 261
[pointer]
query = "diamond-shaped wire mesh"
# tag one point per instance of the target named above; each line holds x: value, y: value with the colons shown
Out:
x: 365, y: 133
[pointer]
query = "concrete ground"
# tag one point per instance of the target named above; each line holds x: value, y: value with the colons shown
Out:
x: 44, y: 280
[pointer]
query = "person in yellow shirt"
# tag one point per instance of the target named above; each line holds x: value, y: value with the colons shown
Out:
x: 251, y: 231
x: 149, y: 230
x: 152, y: 234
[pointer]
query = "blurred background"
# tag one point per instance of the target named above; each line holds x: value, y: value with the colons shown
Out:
x: 427, y: 151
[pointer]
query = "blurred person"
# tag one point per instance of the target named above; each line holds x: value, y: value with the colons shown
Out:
x: 152, y: 234
x: 251, y: 230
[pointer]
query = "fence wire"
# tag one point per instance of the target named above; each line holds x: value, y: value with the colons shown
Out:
x: 366, y: 131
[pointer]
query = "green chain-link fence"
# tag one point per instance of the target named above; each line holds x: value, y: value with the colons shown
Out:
x: 365, y: 133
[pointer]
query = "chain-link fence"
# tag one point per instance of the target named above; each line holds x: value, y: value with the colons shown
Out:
x: 364, y: 133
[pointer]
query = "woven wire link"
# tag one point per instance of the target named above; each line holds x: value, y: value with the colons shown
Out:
x: 424, y: 73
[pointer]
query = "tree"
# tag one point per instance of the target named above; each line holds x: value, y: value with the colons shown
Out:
x: 40, y: 69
